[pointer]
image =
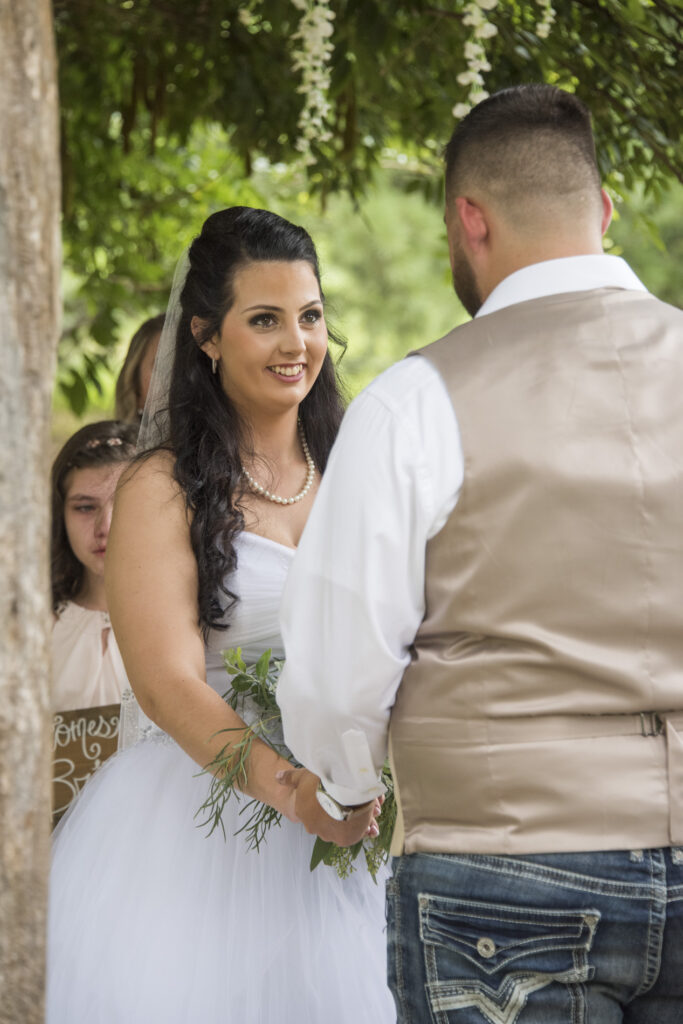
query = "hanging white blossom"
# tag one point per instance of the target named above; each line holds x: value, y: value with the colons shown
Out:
x: 247, y: 14
x: 311, y: 57
x: 545, y: 23
x: 475, y: 54
x: 246, y: 17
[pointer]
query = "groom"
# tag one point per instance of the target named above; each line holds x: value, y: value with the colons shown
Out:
x: 491, y: 586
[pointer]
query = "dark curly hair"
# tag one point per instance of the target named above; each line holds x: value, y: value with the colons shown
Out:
x: 206, y: 434
x: 97, y: 444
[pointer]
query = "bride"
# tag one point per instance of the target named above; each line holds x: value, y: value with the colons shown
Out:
x: 150, y: 919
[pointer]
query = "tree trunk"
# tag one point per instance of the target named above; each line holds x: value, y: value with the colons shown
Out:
x: 29, y: 321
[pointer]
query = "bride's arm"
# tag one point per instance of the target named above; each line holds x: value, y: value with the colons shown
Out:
x: 151, y: 583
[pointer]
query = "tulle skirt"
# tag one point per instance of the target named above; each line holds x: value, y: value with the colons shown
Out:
x: 150, y: 921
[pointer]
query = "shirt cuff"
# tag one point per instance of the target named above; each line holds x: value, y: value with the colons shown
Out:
x: 352, y: 797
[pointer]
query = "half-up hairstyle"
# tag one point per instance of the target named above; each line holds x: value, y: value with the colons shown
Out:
x: 97, y: 444
x: 206, y: 434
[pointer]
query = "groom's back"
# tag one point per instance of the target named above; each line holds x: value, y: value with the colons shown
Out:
x: 555, y: 590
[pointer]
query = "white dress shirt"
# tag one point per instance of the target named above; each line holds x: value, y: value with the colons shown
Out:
x: 354, y: 598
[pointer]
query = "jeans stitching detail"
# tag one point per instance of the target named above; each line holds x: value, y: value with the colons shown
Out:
x: 656, y: 920
x: 502, y: 1003
x: 398, y: 930
x: 452, y: 905
x: 577, y: 991
x: 555, y: 877
x: 438, y: 1016
x: 578, y: 930
x: 500, y: 1006
x: 650, y: 917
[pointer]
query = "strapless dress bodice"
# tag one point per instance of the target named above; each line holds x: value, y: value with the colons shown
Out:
x: 254, y: 622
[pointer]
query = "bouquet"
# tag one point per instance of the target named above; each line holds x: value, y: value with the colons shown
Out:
x: 256, y: 685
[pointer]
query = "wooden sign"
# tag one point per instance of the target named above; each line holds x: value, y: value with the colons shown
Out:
x: 82, y: 741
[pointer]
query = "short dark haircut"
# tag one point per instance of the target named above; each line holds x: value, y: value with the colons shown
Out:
x: 524, y: 144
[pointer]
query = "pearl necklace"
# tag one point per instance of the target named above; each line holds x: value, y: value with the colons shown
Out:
x: 310, y: 475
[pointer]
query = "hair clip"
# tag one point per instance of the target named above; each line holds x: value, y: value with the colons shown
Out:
x: 96, y: 442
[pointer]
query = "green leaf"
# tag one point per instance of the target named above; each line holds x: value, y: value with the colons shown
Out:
x: 636, y: 11
x: 242, y: 682
x: 263, y: 664
x: 76, y: 393
x: 321, y: 852
x: 233, y: 661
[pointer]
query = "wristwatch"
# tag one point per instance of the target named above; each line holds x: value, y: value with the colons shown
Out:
x: 340, y: 812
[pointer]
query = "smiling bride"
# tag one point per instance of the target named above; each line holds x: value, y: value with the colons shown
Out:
x: 151, y: 919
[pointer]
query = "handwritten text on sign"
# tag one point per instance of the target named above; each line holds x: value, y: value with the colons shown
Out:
x: 82, y: 741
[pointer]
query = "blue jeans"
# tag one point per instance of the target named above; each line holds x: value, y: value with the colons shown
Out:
x: 571, y: 938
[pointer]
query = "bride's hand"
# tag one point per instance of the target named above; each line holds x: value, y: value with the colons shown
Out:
x: 304, y: 785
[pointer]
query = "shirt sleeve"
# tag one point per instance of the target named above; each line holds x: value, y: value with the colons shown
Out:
x: 354, y: 598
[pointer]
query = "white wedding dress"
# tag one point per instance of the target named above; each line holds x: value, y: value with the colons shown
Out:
x: 151, y: 922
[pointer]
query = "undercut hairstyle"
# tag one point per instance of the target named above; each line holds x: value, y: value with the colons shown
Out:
x: 206, y: 435
x: 98, y: 444
x: 528, y: 148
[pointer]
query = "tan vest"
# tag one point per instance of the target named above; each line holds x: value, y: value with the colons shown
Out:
x: 554, y: 593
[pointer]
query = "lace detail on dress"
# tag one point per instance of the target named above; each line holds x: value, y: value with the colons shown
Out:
x: 128, y: 727
x: 135, y: 725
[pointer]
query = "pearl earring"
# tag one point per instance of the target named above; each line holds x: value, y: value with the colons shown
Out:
x: 214, y: 364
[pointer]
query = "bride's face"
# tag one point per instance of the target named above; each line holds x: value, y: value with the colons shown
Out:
x: 273, y: 340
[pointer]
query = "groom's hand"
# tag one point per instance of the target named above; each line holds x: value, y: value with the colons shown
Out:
x: 316, y: 821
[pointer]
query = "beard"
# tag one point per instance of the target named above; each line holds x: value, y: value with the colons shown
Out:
x: 464, y: 282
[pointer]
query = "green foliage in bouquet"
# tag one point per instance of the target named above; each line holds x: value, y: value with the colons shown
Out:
x: 257, y: 685
x: 375, y: 850
x: 229, y: 767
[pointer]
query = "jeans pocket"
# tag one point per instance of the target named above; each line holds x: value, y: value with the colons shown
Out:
x: 489, y: 959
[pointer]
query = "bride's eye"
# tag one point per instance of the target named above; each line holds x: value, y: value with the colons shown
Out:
x: 312, y: 316
x: 262, y: 320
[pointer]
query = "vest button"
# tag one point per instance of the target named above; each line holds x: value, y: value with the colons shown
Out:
x: 486, y: 948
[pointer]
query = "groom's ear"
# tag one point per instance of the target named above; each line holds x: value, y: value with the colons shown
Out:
x: 474, y: 226
x: 607, y: 210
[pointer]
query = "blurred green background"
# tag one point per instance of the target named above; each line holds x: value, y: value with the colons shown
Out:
x: 170, y: 111
x: 386, y: 279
